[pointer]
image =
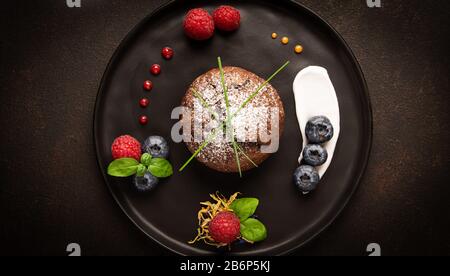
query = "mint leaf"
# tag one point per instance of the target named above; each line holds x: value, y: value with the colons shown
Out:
x: 145, y: 159
x: 141, y: 169
x: 244, y: 207
x: 253, y: 230
x: 123, y: 167
x: 160, y: 167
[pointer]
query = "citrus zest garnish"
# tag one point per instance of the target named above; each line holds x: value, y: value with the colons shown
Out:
x: 207, y: 214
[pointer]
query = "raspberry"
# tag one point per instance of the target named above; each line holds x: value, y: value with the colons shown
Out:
x: 227, y: 18
x: 199, y: 24
x: 225, y: 227
x: 126, y: 147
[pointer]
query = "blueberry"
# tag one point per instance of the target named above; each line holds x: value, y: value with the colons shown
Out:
x: 241, y: 241
x: 315, y: 155
x: 319, y: 130
x: 306, y: 178
x: 156, y: 146
x: 145, y: 183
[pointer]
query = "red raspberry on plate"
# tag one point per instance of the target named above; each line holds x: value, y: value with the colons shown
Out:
x: 227, y: 18
x: 199, y: 24
x: 126, y: 147
x: 225, y: 227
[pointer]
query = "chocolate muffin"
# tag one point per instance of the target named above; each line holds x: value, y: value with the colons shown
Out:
x: 255, y: 126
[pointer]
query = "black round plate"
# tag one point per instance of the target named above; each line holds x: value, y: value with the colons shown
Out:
x: 169, y: 214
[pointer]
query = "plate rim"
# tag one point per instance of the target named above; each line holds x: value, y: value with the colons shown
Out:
x: 358, y: 71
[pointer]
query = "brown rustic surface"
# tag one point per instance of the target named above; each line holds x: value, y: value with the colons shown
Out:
x: 51, y: 193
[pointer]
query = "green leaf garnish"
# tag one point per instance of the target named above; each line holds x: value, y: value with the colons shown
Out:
x: 141, y: 170
x: 244, y: 207
x: 253, y: 230
x: 123, y: 167
x: 145, y: 159
x: 160, y: 168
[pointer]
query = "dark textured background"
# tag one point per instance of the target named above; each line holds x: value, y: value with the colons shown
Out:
x: 52, y: 59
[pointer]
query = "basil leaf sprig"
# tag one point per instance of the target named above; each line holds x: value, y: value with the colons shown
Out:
x: 252, y: 230
x: 160, y: 167
x: 125, y: 167
x: 244, y: 207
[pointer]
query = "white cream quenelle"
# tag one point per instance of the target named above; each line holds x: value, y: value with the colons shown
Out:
x: 315, y: 96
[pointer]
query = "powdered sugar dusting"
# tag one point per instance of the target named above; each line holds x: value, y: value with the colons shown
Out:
x: 241, y: 84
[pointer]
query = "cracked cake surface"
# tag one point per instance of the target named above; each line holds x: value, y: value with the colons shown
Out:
x: 252, y: 126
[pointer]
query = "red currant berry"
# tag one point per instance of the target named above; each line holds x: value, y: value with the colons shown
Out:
x: 155, y: 69
x: 143, y: 120
x: 167, y: 53
x: 148, y: 85
x: 144, y: 102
